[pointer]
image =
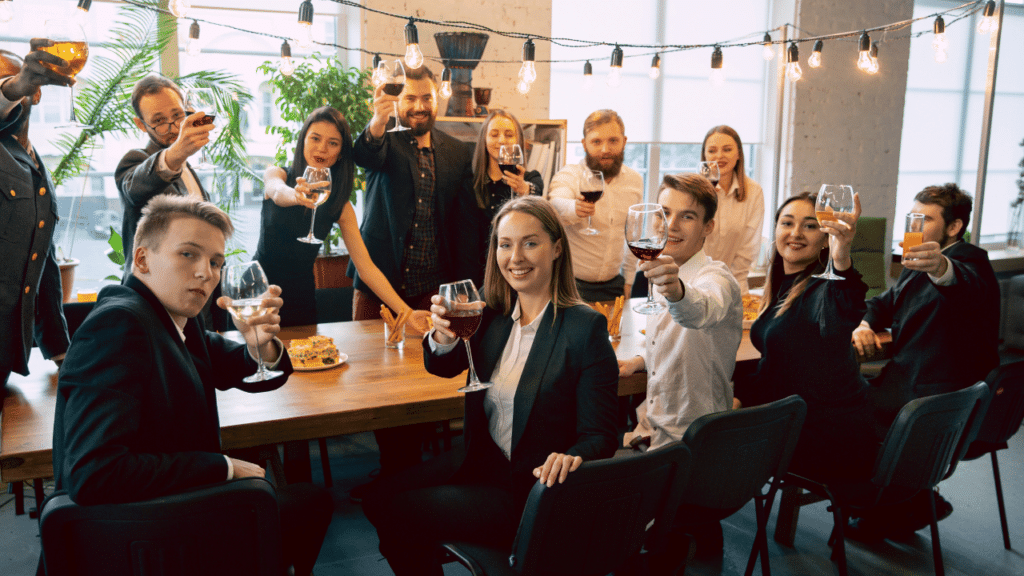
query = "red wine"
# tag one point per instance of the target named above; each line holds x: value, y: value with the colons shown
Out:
x: 394, y: 89
x: 464, y: 322
x: 208, y: 119
x: 510, y: 168
x: 645, y: 249
x: 591, y: 196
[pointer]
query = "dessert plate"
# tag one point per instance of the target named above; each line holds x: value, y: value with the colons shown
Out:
x: 342, y: 358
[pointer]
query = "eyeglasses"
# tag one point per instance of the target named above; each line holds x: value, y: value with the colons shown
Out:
x: 165, y: 127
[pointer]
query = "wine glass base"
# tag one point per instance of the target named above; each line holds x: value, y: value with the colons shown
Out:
x: 589, y: 232
x: 398, y: 129
x: 475, y: 387
x: 263, y: 376
x: 827, y: 276
x: 649, y: 308
x: 308, y: 240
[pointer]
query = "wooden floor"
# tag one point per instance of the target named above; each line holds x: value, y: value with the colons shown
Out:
x: 971, y: 537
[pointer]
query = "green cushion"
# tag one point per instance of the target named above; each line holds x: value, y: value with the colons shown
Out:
x: 869, y: 253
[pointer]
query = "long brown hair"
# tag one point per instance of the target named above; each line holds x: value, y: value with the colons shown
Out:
x: 497, y: 290
x: 776, y: 268
x: 739, y: 173
x: 481, y: 157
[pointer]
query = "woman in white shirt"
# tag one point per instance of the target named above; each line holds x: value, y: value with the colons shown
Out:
x: 736, y: 239
x: 553, y: 405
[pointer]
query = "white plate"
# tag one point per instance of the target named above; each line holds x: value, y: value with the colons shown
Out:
x: 342, y: 358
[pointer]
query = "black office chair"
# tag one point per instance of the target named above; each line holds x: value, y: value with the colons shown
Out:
x: 75, y: 313
x: 917, y: 453
x: 1003, y: 420
x: 229, y: 528
x: 734, y: 454
x: 593, y: 523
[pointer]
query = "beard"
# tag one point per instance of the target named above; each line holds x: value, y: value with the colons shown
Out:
x: 611, y: 171
x: 419, y: 125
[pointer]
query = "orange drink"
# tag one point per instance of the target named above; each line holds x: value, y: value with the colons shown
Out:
x: 825, y: 215
x: 911, y: 239
x: 75, y: 53
x: 86, y: 295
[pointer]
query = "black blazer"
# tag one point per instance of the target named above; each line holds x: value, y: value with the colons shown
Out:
x: 28, y: 256
x: 136, y: 414
x: 567, y: 397
x: 390, y: 203
x: 138, y: 182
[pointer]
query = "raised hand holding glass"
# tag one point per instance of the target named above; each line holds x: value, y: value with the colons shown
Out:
x: 832, y: 198
x: 246, y: 285
x: 646, y: 236
x: 319, y: 182
x: 465, y: 310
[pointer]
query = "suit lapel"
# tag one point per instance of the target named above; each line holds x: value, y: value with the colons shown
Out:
x: 168, y: 324
x: 533, y: 373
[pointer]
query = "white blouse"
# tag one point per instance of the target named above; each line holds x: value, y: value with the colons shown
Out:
x: 736, y: 239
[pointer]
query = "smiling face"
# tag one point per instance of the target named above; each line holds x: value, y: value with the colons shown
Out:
x: 500, y: 132
x: 184, y: 268
x: 798, y: 237
x: 721, y: 148
x: 525, y: 254
x: 322, y: 145
x: 417, y: 105
x: 605, y: 146
x: 686, y: 226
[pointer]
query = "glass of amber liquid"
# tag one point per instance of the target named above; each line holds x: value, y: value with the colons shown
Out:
x: 69, y: 43
x: 914, y: 233
x: 832, y: 198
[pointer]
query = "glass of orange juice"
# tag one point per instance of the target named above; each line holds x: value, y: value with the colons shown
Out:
x: 914, y: 233
x: 86, y: 294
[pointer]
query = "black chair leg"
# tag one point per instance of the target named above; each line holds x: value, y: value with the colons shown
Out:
x: 940, y: 569
x: 325, y: 462
x: 839, y: 547
x: 999, y: 498
x: 19, y: 497
x: 760, y: 547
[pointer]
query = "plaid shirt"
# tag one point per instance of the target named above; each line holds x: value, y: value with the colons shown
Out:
x: 421, y: 267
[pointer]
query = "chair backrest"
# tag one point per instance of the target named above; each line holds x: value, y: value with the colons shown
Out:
x: 75, y: 313
x: 923, y: 440
x: 1012, y: 317
x: 1006, y: 411
x: 736, y: 452
x: 974, y: 423
x: 229, y: 528
x: 596, y: 520
x: 871, y: 252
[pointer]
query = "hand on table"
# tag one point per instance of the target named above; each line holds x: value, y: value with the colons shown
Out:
x: 243, y: 469
x: 865, y: 340
x: 664, y: 274
x: 557, y: 466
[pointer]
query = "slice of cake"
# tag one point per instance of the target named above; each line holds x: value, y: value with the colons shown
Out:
x: 313, y: 352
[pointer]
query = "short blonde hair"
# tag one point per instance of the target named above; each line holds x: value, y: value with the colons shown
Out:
x: 165, y: 208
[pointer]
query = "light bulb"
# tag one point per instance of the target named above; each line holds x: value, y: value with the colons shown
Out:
x: 767, y: 52
x: 6, y: 11
x: 615, y: 76
x: 793, y: 71
x: 304, y: 36
x: 717, y: 77
x: 192, y: 45
x: 988, y: 21
x: 940, y: 42
x: 523, y: 87
x: 864, y: 59
x: 413, y: 56
x: 655, y: 71
x: 940, y: 56
x: 446, y: 89
x: 180, y: 8
x: 874, y: 59
x: 528, y: 72
x: 287, y: 67
x: 815, y: 60
x: 588, y: 75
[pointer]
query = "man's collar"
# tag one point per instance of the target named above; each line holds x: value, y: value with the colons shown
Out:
x: 950, y: 245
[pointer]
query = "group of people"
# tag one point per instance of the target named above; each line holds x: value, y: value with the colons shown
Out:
x: 136, y: 412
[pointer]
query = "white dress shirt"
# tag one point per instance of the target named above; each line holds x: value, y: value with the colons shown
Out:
x: 690, y: 352
x: 736, y: 239
x: 167, y: 175
x: 500, y: 398
x: 601, y: 257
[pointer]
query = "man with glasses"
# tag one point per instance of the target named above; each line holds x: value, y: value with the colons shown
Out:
x: 162, y: 166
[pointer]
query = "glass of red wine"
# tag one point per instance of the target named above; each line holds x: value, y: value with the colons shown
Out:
x: 710, y: 171
x: 646, y: 236
x: 203, y: 100
x: 591, y: 188
x: 392, y: 76
x: 510, y: 158
x: 465, y: 309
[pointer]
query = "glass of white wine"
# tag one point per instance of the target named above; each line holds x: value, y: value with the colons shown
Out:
x: 69, y: 43
x: 319, y: 182
x: 246, y: 285
x: 832, y: 198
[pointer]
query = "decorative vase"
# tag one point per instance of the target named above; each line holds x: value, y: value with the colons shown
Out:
x: 67, y: 277
x: 461, y: 52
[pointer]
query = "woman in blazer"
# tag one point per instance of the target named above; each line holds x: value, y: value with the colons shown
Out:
x: 552, y: 406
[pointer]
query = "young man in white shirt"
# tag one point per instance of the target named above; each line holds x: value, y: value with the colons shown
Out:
x: 603, y: 266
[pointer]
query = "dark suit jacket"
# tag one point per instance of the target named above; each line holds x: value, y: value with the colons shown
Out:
x: 136, y: 414
x: 943, y: 337
x: 567, y: 398
x: 138, y: 182
x: 390, y: 203
x: 30, y: 289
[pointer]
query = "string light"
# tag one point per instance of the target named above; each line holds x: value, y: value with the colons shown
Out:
x: 864, y: 59
x: 874, y: 59
x: 413, y: 56
x: 815, y: 60
x: 588, y: 76
x: 287, y: 67
x: 793, y: 70
x: 940, y: 44
x: 717, y: 75
x: 6, y: 10
x: 523, y: 87
x: 655, y: 67
x: 192, y: 46
x: 180, y: 8
x: 768, y: 53
x: 378, y: 75
x: 528, y: 72
x: 446, y: 83
x: 988, y: 21
x: 304, y: 38
x: 615, y: 72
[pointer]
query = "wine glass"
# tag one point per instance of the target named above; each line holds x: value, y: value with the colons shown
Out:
x: 509, y: 157
x: 319, y: 180
x: 710, y: 171
x: 392, y: 75
x: 246, y: 285
x: 646, y: 236
x: 69, y: 43
x: 203, y: 100
x: 591, y: 188
x: 832, y: 198
x: 465, y: 310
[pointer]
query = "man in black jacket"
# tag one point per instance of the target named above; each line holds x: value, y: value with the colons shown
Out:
x: 30, y: 289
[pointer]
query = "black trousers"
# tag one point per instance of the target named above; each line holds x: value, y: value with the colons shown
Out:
x: 601, y: 291
x: 306, y: 512
x: 437, y: 502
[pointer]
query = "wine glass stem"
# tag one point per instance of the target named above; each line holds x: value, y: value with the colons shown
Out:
x: 312, y: 221
x: 73, y: 119
x: 259, y: 355
x: 472, y: 373
x: 650, y: 291
x: 398, y: 123
x: 828, y: 267
x: 590, y: 222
